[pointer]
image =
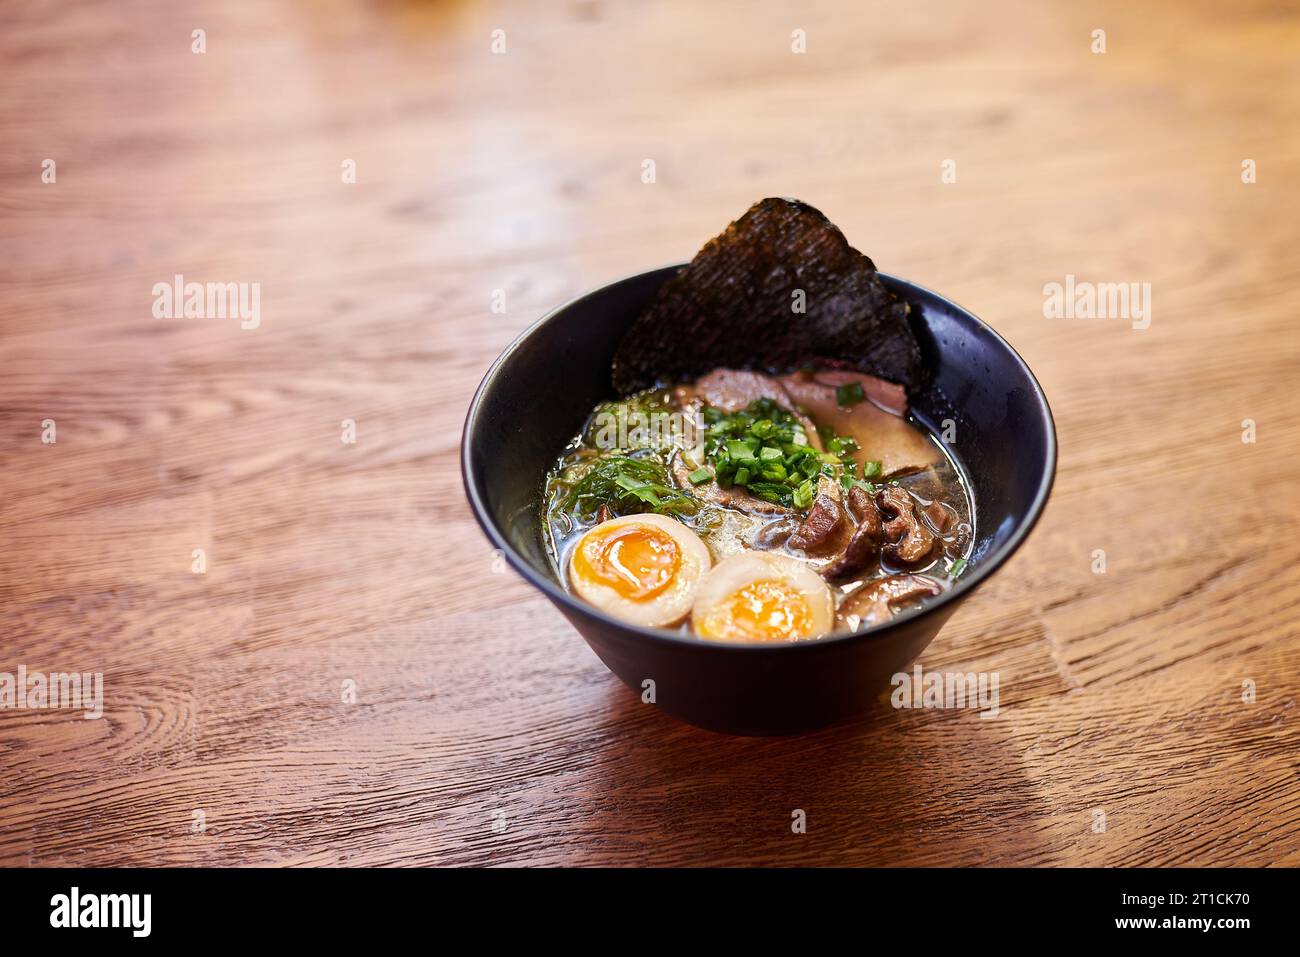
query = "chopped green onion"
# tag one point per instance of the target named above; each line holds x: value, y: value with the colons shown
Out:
x: 771, y: 492
x: 849, y: 393
x: 740, y: 451
x: 700, y: 476
x: 957, y: 568
x: 803, y: 495
x: 841, y: 445
x: 764, y: 448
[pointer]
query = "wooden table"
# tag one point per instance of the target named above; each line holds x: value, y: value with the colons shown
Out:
x: 483, y: 730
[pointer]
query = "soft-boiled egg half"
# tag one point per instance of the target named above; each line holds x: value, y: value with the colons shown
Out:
x: 762, y: 596
x: 644, y: 569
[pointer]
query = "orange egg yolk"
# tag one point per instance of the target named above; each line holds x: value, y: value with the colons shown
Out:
x: 636, y: 561
x: 768, y: 610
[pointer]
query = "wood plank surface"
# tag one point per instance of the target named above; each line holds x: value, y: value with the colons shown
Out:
x: 484, y: 731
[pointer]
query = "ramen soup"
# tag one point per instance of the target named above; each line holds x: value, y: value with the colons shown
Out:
x: 750, y: 507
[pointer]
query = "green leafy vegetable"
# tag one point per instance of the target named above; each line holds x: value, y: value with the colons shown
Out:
x: 641, y: 421
x: 628, y: 485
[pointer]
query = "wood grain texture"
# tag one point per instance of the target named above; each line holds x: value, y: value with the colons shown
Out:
x: 484, y: 731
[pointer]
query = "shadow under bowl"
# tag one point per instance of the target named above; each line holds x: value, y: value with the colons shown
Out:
x: 542, y: 388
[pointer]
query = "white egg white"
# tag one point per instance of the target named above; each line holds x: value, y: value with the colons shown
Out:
x: 734, y: 573
x: 669, y: 606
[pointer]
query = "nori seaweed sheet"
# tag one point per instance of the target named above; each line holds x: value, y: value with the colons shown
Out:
x: 732, y: 307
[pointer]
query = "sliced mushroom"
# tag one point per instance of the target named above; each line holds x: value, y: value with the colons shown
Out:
x: 912, y: 541
x: 826, y: 528
x: 864, y: 544
x: 877, y: 602
x: 860, y: 503
x: 941, y: 517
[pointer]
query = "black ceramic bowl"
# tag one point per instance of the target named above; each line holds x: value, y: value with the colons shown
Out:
x: 540, y: 391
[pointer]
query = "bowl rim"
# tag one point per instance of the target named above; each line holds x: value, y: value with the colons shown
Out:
x: 570, y: 603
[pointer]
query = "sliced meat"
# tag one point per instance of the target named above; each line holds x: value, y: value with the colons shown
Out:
x: 731, y: 390
x: 890, y: 396
x: 912, y: 541
x: 864, y: 544
x: 827, y: 528
x: 736, y: 497
x: 882, y: 436
x: 876, y: 602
